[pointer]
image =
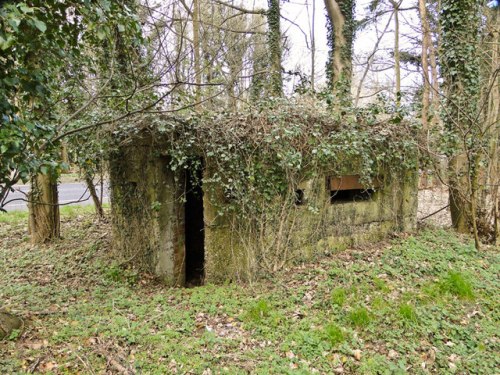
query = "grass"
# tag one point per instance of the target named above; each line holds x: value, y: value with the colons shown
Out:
x: 334, y: 334
x: 259, y: 310
x: 67, y: 212
x: 359, y: 317
x: 431, y: 299
x: 339, y: 296
x: 407, y: 313
x: 458, y: 284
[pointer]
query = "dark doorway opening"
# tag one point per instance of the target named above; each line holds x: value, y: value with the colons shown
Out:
x: 194, y: 228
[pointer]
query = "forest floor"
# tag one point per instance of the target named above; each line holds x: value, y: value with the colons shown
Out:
x: 424, y: 303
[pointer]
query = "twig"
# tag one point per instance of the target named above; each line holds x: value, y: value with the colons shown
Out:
x: 113, y: 362
x: 441, y: 209
x: 35, y: 365
x: 85, y: 363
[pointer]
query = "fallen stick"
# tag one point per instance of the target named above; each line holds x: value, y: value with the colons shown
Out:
x: 441, y: 209
x: 116, y: 364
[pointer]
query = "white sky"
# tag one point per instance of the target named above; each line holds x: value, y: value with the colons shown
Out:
x: 300, y: 12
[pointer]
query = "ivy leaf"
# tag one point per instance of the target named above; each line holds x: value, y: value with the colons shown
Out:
x: 44, y: 169
x: 5, y: 44
x: 101, y: 34
x: 25, y: 9
x: 40, y: 25
x: 14, y: 22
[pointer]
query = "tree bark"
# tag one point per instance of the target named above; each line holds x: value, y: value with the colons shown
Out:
x: 340, y: 15
x: 397, y: 59
x: 425, y: 64
x: 196, y: 47
x: 459, y: 63
x: 458, y: 188
x: 489, y: 199
x: 313, y: 45
x: 274, y: 43
x: 44, y: 221
x: 95, y: 198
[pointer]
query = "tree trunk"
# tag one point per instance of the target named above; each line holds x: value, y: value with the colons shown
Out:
x: 457, y: 191
x: 44, y: 223
x: 274, y: 43
x: 8, y: 323
x: 425, y: 65
x: 196, y: 47
x: 491, y: 124
x: 459, y: 63
x: 313, y: 45
x: 341, y: 33
x: 426, y: 40
x: 397, y: 59
x: 93, y: 194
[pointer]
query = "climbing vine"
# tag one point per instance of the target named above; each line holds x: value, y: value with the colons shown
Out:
x: 274, y: 45
x: 460, y: 22
x: 266, y: 150
x: 254, y: 165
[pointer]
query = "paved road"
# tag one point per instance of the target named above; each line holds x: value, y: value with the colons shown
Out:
x: 68, y: 192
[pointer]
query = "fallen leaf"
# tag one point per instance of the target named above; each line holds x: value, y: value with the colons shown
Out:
x: 357, y: 354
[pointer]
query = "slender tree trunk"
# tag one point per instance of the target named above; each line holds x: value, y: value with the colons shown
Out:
x: 93, y: 194
x: 64, y: 153
x: 424, y: 179
x: 196, y: 47
x: 425, y: 65
x: 397, y: 58
x: 313, y: 45
x: 259, y: 60
x: 435, y: 102
x: 489, y: 200
x: 44, y: 222
x: 274, y: 43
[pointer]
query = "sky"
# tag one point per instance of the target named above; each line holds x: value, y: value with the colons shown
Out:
x: 299, y: 55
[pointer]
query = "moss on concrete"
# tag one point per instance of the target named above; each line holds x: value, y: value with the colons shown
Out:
x: 148, y: 220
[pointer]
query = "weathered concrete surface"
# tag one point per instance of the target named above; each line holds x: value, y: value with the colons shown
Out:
x: 235, y: 255
x: 148, y: 216
x: 149, y: 229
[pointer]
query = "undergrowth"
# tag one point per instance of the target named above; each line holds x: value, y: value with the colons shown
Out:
x: 425, y: 304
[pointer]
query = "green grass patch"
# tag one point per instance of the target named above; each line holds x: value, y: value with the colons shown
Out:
x: 76, y: 299
x: 458, y: 284
x: 258, y: 311
x: 381, y: 285
x: 407, y: 313
x: 339, y: 296
x: 334, y: 334
x: 359, y: 317
x: 66, y: 212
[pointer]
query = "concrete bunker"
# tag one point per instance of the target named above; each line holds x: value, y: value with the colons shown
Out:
x: 168, y: 222
x: 219, y: 197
